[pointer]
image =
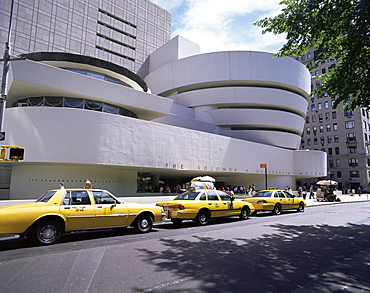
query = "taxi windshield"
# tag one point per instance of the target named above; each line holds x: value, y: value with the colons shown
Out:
x: 262, y: 194
x: 189, y: 195
x: 46, y: 196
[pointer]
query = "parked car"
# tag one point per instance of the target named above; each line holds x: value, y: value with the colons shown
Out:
x: 202, y: 205
x: 64, y: 210
x: 275, y: 201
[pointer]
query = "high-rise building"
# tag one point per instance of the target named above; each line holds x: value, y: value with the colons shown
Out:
x: 121, y: 32
x: 344, y: 135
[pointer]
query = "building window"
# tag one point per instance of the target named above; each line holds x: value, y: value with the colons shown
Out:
x: 329, y: 138
x: 314, y: 130
x: 336, y: 138
x: 350, y: 124
x: 307, y: 119
x: 315, y: 141
x: 339, y: 174
x: 365, y: 125
x: 313, y: 108
x: 337, y: 150
x: 337, y: 163
x: 308, y: 55
x: 317, y: 72
x: 334, y: 115
x: 313, y: 118
x: 68, y: 102
x: 328, y: 127
x: 323, y: 70
x: 331, y: 164
x: 322, y: 140
x: 352, y: 149
x: 354, y: 174
x: 321, y: 127
x: 319, y: 106
x: 320, y: 118
x: 330, y: 151
x: 350, y: 137
x: 347, y: 113
x: 326, y: 105
x: 353, y: 162
x: 308, y: 130
x: 335, y: 126
x: 366, y: 138
x: 327, y: 116
x: 308, y: 141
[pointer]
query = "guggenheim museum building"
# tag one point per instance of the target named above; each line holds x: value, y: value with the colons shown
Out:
x: 97, y: 90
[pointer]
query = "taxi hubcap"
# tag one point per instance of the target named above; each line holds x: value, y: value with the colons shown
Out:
x: 144, y: 223
x: 48, y: 232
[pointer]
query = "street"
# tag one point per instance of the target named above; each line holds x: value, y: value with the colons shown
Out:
x: 324, y: 249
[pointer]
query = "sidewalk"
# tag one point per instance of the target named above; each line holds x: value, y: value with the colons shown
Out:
x: 345, y: 198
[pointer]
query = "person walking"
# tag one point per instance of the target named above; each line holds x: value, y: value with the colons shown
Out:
x: 312, y: 194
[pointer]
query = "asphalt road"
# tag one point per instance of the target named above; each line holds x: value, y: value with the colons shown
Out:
x: 324, y: 249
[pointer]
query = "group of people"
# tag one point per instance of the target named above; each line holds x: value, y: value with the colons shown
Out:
x: 231, y: 190
x: 303, y: 191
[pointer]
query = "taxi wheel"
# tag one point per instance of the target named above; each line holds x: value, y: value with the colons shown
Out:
x: 176, y: 222
x: 46, y: 232
x: 143, y: 223
x: 300, y: 207
x: 244, y: 214
x: 202, y: 218
x: 277, y: 209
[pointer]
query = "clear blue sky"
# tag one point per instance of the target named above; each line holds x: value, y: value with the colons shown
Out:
x: 219, y: 25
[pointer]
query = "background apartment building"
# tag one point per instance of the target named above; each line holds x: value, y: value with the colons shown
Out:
x: 344, y: 135
x: 123, y: 32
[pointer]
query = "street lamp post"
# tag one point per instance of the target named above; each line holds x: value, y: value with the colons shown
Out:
x: 5, y: 73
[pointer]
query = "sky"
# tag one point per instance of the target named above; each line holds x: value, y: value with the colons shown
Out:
x: 223, y: 25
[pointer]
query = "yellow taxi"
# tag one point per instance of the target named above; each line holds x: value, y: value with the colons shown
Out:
x: 204, y: 204
x: 64, y: 210
x: 275, y: 201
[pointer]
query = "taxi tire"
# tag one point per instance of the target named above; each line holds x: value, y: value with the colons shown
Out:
x: 46, y: 232
x: 143, y: 223
x: 176, y: 222
x: 300, y: 207
x: 244, y: 213
x: 277, y: 209
x: 202, y: 217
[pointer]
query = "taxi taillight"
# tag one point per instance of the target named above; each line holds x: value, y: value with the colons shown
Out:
x: 176, y: 207
x: 262, y: 201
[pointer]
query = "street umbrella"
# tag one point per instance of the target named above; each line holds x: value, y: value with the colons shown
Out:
x: 204, y: 179
x: 326, y: 182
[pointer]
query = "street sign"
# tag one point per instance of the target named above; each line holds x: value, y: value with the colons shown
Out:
x: 263, y: 165
x: 2, y: 136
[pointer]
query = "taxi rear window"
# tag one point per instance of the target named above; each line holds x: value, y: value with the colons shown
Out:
x: 46, y: 196
x: 189, y: 195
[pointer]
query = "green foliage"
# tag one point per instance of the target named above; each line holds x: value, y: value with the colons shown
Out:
x: 338, y: 29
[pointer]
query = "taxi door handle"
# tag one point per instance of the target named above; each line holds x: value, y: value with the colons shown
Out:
x: 209, y: 203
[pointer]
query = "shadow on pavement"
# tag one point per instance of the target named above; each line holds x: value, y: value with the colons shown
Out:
x: 294, y: 258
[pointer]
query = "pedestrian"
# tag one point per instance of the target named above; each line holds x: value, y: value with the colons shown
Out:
x: 359, y: 191
x: 88, y: 184
x: 61, y: 184
x: 312, y: 194
x: 299, y: 191
x: 304, y: 192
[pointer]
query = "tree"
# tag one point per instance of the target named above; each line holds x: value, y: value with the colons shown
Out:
x: 338, y: 29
